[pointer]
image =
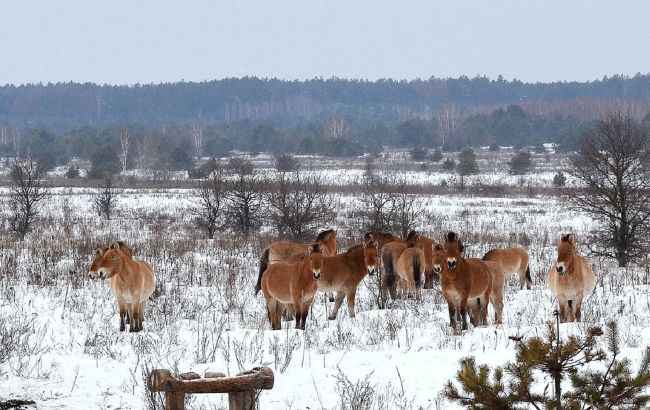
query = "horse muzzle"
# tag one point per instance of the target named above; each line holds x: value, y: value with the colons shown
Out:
x: 451, y: 265
x: 560, y: 270
x: 371, y: 270
x: 437, y: 269
x: 317, y: 275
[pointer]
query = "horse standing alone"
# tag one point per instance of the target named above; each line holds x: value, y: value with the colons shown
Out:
x: 570, y: 279
x: 131, y: 282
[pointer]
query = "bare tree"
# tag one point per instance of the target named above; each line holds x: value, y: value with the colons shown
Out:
x: 377, y: 203
x: 337, y: 127
x: 448, y: 122
x: 406, y: 214
x: 298, y: 205
x: 196, y: 131
x: 123, y: 154
x: 613, y: 167
x: 105, y: 200
x: 16, y: 141
x: 143, y: 151
x: 209, y: 202
x: 28, y: 188
x: 244, y: 197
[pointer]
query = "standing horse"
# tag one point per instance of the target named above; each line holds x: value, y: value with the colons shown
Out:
x: 512, y: 260
x: 570, y: 279
x: 383, y: 238
x: 498, y: 281
x: 131, y: 282
x: 463, y: 280
x: 404, y: 265
x: 292, y: 283
x: 427, y: 245
x: 343, y: 273
x: 283, y: 251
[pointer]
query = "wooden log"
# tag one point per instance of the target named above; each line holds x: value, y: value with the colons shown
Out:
x: 161, y: 380
x: 213, y: 375
x: 174, y: 401
x: 242, y: 400
x: 189, y: 376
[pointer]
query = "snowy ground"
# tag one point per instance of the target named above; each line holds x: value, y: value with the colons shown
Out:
x: 63, y: 349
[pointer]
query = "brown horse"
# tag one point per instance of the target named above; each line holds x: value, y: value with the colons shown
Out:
x: 427, y: 245
x: 343, y: 273
x: 463, y: 280
x: 512, y: 260
x: 570, y: 279
x: 92, y: 272
x: 498, y: 281
x: 292, y: 283
x: 498, y: 285
x: 404, y: 266
x: 383, y: 238
x: 282, y: 251
x: 131, y: 282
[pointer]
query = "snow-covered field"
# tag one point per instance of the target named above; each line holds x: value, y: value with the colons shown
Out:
x: 62, y: 348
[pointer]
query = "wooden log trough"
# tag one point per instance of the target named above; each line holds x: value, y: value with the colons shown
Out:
x: 241, y: 389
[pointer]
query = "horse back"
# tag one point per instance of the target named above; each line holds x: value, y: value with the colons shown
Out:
x: 276, y: 280
x: 481, y: 277
x: 282, y: 251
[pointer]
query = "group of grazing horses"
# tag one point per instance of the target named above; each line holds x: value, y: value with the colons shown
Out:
x: 290, y: 274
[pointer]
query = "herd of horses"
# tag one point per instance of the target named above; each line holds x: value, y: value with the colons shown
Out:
x: 291, y: 274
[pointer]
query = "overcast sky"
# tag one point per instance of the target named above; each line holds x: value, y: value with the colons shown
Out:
x: 125, y: 42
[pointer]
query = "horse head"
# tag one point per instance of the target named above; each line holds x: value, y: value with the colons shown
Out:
x: 370, y: 251
x: 454, y: 248
x: 439, y: 258
x: 566, y: 252
x: 111, y: 262
x: 315, y: 257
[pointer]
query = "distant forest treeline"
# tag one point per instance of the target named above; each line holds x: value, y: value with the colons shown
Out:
x: 175, y: 122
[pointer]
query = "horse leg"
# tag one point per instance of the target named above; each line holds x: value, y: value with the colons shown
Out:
x: 563, y: 309
x: 452, y: 314
x: 473, y: 312
x: 123, y: 313
x: 297, y: 306
x: 143, y: 308
x: 463, y: 311
x: 497, y: 302
x: 578, y: 308
x: 571, y: 311
x: 274, y: 309
x: 134, y: 326
x: 340, y: 294
x: 289, y: 312
x: 305, y: 311
x: 351, y: 296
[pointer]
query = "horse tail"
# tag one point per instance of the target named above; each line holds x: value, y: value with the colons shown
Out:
x: 528, y: 278
x: 417, y: 266
x: 390, y: 272
x: 264, y: 264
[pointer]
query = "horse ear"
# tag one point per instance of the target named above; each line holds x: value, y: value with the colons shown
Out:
x: 368, y: 237
x: 571, y: 238
x: 98, y: 252
x: 116, y: 246
x: 376, y: 244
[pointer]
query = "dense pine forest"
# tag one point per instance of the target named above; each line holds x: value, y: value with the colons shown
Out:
x: 337, y: 117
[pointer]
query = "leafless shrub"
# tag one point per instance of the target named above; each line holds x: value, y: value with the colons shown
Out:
x: 359, y: 395
x: 283, y: 351
x: 245, y: 205
x: 209, y: 198
x: 298, y: 205
x: 28, y: 189
x: 105, y: 200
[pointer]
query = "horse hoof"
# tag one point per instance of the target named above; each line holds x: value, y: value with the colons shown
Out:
x: 331, y: 317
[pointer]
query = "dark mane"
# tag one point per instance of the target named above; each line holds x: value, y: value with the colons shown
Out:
x: 451, y: 236
x: 123, y: 246
x: 411, y: 235
x: 439, y: 247
x: 354, y: 248
x: 321, y: 236
x: 487, y: 255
